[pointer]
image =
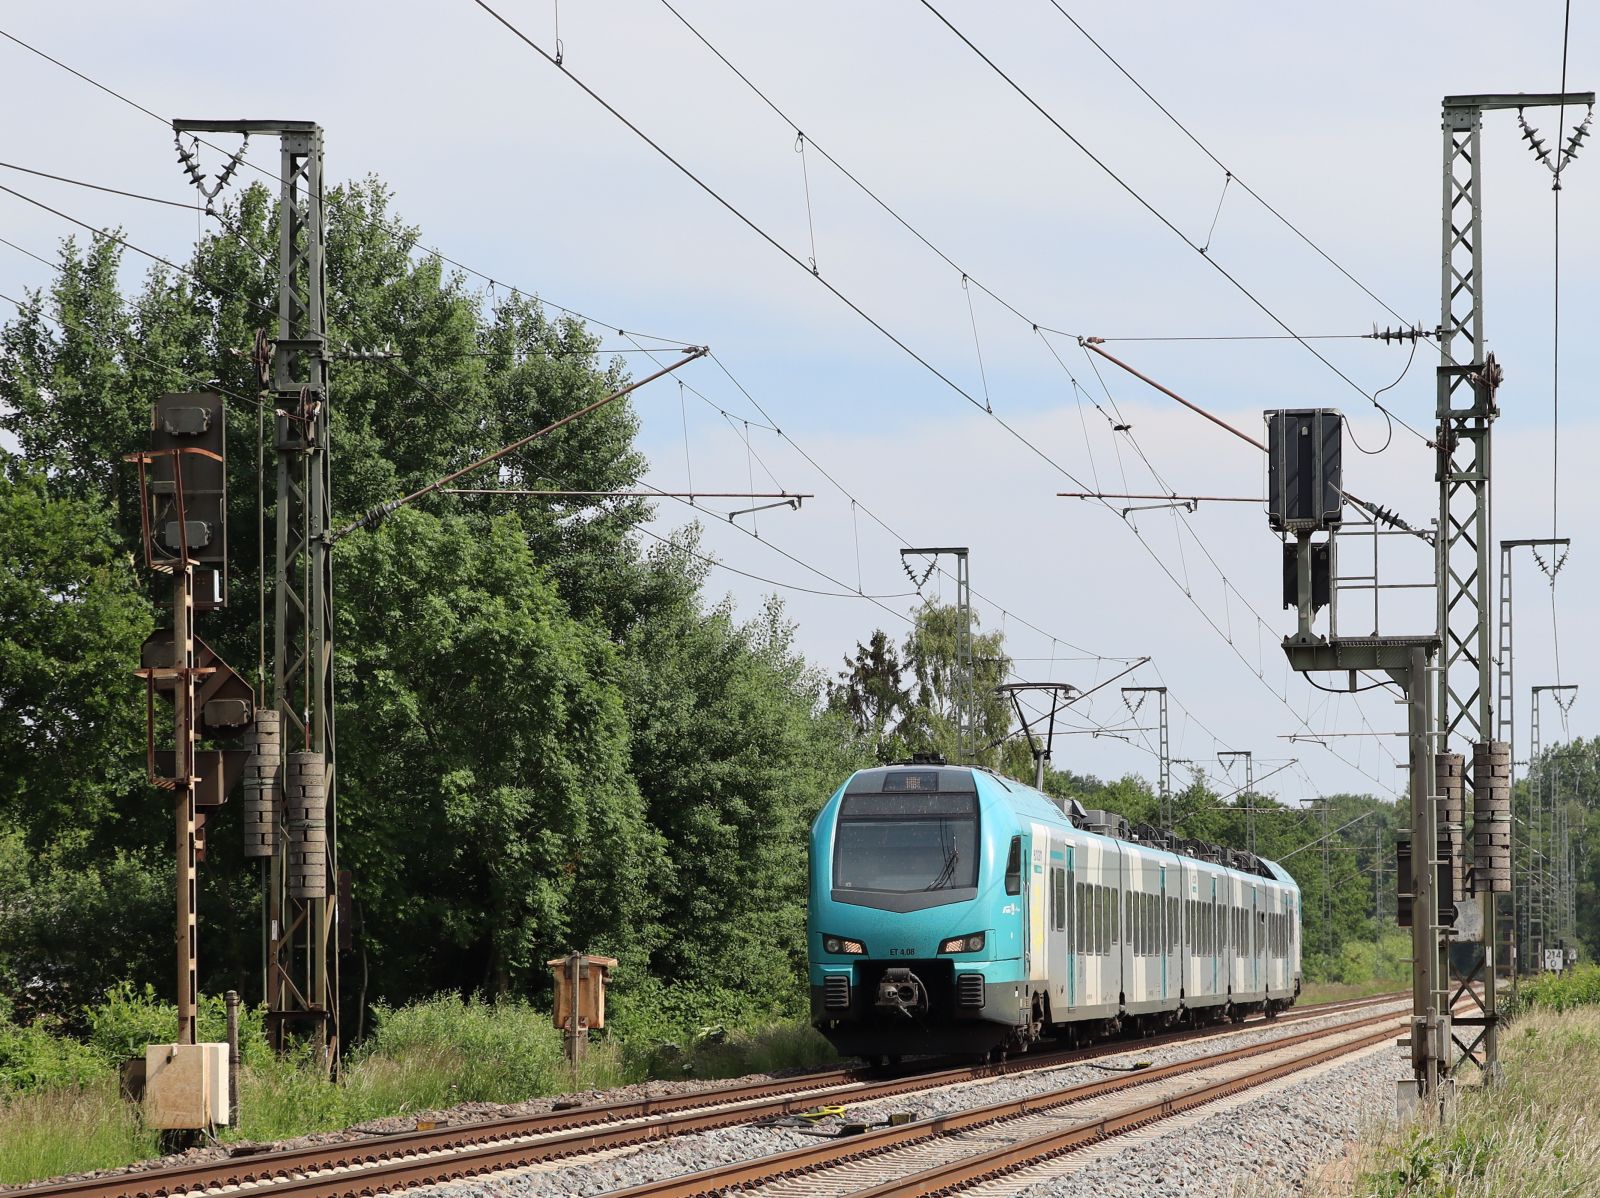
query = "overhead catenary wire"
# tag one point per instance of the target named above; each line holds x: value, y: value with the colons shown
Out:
x: 965, y: 277
x: 116, y: 191
x: 384, y: 509
x: 559, y: 307
x: 388, y: 230
x: 1154, y: 211
x: 406, y: 241
x: 1228, y: 171
x: 186, y: 271
x: 727, y: 204
x: 379, y: 224
x: 750, y: 223
x: 898, y: 536
x: 67, y: 322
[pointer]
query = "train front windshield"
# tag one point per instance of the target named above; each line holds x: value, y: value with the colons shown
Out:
x: 906, y: 842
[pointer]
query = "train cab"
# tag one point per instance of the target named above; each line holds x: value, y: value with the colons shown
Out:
x: 917, y: 918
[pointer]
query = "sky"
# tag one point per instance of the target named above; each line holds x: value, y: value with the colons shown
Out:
x: 1330, y: 115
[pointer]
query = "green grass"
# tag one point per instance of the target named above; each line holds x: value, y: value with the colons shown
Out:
x: 1315, y: 992
x: 427, y: 1056
x: 1532, y: 1135
x: 68, y: 1129
x: 60, y: 1112
x: 769, y: 1048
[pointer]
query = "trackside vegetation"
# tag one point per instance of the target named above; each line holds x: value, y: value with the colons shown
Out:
x: 1532, y: 1134
x: 60, y: 1110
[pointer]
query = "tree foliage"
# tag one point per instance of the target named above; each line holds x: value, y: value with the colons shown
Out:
x: 907, y: 702
x: 73, y: 621
x: 548, y: 738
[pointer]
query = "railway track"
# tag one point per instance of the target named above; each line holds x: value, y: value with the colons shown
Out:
x: 374, y: 1164
x: 956, y: 1150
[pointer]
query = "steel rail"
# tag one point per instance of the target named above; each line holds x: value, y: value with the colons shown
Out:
x: 828, y: 1153
x: 956, y: 1175
x: 382, y: 1162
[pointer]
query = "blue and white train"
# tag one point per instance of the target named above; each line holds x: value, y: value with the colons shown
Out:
x: 956, y: 911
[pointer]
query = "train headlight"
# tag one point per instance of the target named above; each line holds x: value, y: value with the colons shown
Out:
x: 842, y: 946
x: 973, y: 942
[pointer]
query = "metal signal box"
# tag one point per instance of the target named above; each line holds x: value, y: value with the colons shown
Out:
x: 581, y: 979
x: 1304, y: 489
x: 188, y: 435
x: 186, y: 1086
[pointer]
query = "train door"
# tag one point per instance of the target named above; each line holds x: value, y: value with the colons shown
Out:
x: 1035, y: 960
x: 1058, y: 969
x: 1073, y: 997
x: 1079, y: 923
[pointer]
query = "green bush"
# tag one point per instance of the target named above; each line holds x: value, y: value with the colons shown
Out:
x: 73, y: 927
x: 444, y: 1050
x: 128, y: 1018
x: 37, y: 1057
x: 783, y: 1045
x: 1361, y: 962
x: 1560, y: 991
x: 650, y: 1013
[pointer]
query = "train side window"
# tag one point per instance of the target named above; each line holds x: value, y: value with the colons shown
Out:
x: 1097, y: 900
x: 1077, y: 923
x: 1092, y: 922
x: 1014, y: 867
x: 1096, y: 924
x: 1105, y: 920
x: 1058, y: 900
x: 1096, y: 914
x: 1133, y: 943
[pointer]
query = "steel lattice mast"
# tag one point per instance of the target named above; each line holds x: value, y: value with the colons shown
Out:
x: 1468, y: 377
x: 302, y: 972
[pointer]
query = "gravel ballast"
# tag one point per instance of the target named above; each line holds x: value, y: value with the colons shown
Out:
x: 684, y: 1154
x: 1267, y: 1142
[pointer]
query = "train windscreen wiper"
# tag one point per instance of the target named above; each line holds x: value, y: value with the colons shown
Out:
x: 948, y: 872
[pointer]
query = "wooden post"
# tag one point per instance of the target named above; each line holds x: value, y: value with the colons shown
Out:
x: 577, y: 1029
